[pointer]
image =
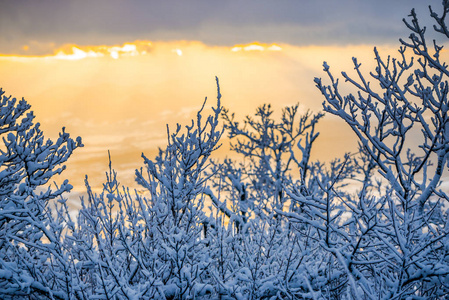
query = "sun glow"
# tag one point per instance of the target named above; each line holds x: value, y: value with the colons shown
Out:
x: 177, y: 51
x: 137, y: 48
x: 77, y: 53
x: 256, y: 47
x: 115, y: 52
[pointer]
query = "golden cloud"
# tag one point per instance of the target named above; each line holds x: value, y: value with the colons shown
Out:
x: 136, y: 48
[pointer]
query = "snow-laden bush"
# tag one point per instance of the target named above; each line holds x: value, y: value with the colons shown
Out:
x: 152, y: 243
x: 33, y: 260
x: 393, y: 242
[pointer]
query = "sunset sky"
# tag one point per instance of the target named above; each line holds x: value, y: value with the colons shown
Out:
x: 115, y: 72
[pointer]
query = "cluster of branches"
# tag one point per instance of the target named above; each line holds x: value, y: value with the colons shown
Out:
x: 33, y: 260
x: 273, y: 225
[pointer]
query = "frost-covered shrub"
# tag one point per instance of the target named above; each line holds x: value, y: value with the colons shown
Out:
x: 33, y: 261
x: 151, y: 244
x: 392, y: 244
x: 250, y: 195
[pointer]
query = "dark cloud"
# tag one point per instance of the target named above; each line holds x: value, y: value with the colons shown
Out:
x: 300, y: 22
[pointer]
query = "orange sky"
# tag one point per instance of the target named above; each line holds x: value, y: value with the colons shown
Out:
x: 119, y: 97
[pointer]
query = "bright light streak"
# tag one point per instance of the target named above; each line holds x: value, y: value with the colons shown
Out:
x: 114, y: 54
x: 77, y: 54
x: 256, y: 47
x: 274, y: 48
x: 177, y: 51
x: 137, y: 48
